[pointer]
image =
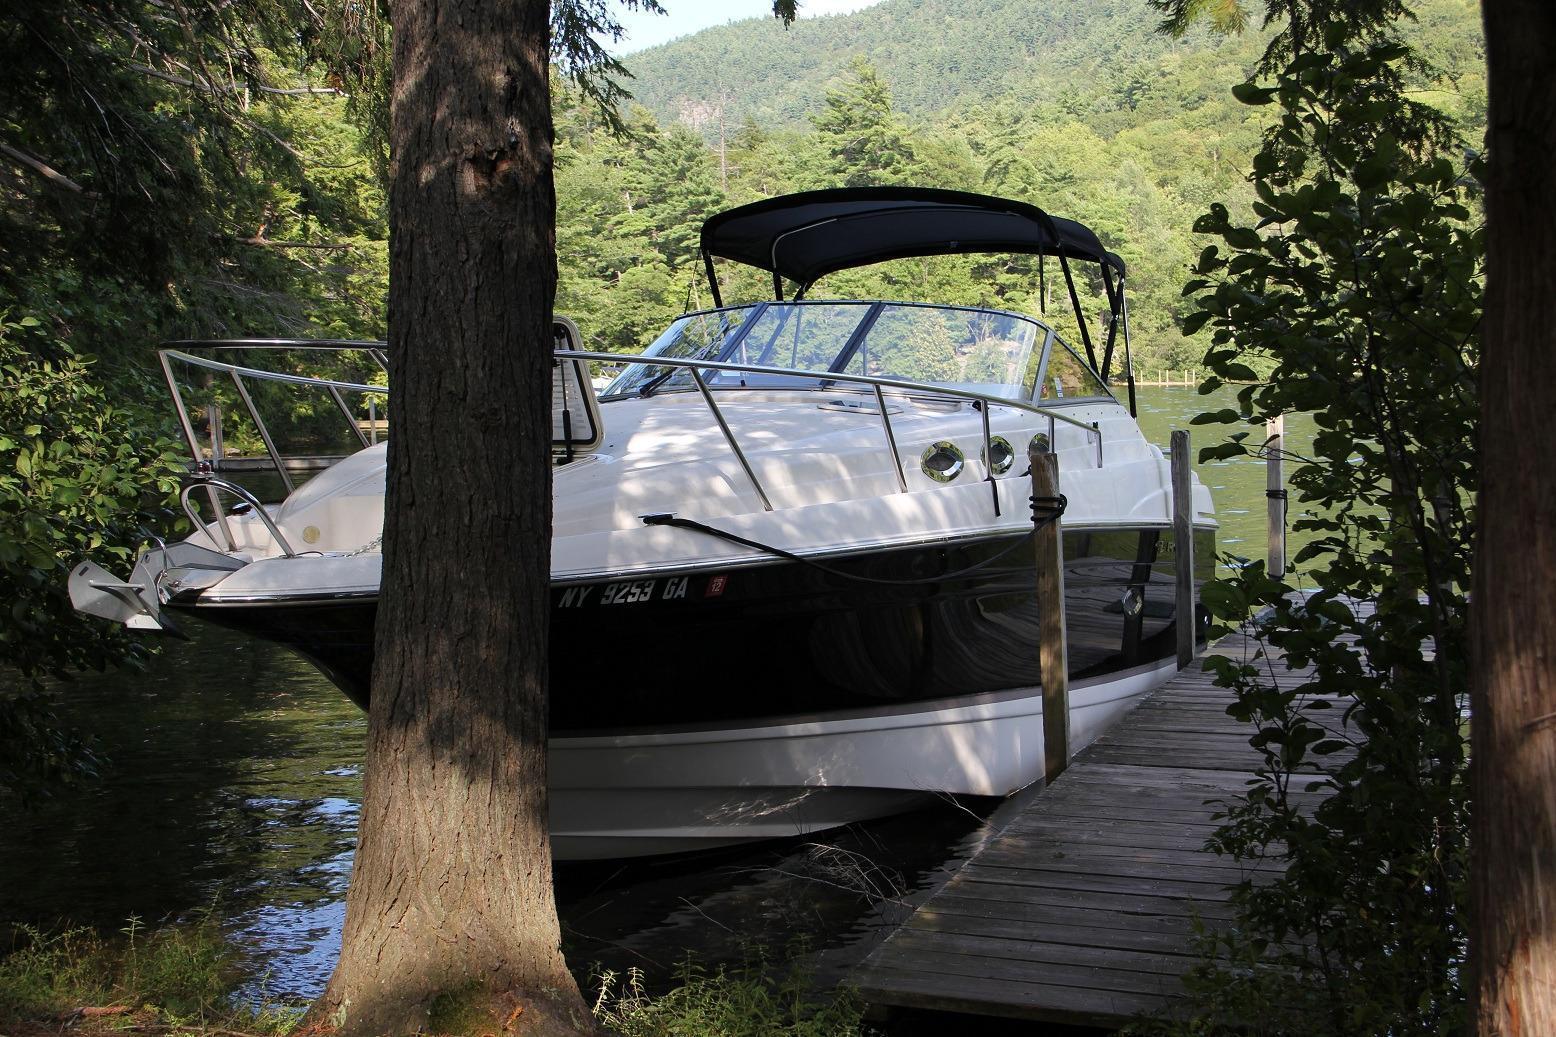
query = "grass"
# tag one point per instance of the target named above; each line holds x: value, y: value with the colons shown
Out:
x: 179, y: 979
x: 176, y: 977
x: 755, y: 1001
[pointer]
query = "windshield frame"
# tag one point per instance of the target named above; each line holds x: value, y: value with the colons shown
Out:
x: 732, y: 349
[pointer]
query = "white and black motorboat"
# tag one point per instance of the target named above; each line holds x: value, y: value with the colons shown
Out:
x: 792, y: 568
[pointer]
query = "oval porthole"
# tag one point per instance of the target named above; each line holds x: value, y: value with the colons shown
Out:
x: 942, y: 461
x: 1001, y: 455
x: 1039, y: 443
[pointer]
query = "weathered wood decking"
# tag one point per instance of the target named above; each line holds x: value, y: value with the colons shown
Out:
x: 1080, y: 911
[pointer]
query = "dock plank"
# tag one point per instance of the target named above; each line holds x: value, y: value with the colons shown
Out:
x: 1083, y: 909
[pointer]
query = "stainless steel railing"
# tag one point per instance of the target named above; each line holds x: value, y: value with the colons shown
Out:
x: 877, y: 384
x: 212, y: 484
x: 697, y: 369
x: 238, y: 372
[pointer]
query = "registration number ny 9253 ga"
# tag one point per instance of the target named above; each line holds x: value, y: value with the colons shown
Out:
x: 628, y: 592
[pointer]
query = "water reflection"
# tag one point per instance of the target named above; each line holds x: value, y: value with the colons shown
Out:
x: 234, y: 778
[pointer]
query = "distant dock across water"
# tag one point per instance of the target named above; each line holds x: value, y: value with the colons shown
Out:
x: 1166, y: 377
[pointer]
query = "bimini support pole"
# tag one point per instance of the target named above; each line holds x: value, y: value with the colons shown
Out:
x: 713, y: 280
x: 1107, y: 348
x: 1080, y: 317
x: 1129, y: 360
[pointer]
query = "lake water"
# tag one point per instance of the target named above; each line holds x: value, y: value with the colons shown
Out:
x: 234, y: 779
x: 1237, y: 485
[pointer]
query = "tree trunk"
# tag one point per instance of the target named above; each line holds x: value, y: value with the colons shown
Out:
x: 450, y: 922
x: 1513, y: 839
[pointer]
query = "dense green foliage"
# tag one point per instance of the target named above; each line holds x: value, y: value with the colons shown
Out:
x: 1103, y: 62
x: 1357, y: 285
x: 192, y: 189
x: 936, y: 55
x: 165, y: 171
x: 78, y: 476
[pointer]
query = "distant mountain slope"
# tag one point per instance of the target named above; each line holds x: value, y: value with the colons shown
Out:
x: 932, y: 52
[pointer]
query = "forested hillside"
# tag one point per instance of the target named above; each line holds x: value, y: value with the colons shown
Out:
x: 1082, y: 108
x: 1086, y: 57
x: 934, y: 53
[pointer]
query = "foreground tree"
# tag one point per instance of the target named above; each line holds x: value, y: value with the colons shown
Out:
x: 450, y: 920
x: 1513, y: 840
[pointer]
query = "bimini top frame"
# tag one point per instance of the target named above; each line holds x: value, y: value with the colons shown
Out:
x: 803, y: 237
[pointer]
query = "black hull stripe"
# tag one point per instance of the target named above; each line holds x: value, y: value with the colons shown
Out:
x: 786, y: 642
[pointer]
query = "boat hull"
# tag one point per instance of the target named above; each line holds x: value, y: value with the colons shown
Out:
x: 633, y: 795
x: 707, y: 708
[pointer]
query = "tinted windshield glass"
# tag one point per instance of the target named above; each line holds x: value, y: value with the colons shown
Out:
x: 806, y: 336
x: 700, y: 335
x: 1068, y: 377
x: 974, y: 350
x: 978, y: 350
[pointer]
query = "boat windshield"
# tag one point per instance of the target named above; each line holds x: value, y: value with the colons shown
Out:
x: 985, y: 351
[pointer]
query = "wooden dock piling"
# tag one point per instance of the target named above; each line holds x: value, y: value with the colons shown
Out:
x: 1275, y: 495
x: 1053, y: 658
x: 1183, y: 545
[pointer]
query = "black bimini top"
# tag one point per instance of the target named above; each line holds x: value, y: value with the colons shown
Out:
x: 803, y: 237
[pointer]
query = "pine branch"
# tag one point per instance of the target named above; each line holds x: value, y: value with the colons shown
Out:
x: 43, y: 169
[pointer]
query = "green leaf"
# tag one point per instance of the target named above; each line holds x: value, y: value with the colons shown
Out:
x: 1249, y: 93
x: 1195, y: 321
x: 1221, y: 451
x: 1373, y: 172
x: 1243, y: 238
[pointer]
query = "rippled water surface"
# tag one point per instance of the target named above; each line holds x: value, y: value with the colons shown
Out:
x: 234, y: 777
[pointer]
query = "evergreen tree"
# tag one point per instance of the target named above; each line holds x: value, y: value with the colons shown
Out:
x: 863, y: 141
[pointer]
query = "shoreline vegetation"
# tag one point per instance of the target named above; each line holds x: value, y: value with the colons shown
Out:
x: 182, y: 978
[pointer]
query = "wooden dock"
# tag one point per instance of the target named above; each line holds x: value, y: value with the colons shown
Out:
x: 1081, y: 910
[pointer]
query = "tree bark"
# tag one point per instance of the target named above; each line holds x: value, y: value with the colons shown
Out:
x: 450, y: 921
x: 1513, y: 625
